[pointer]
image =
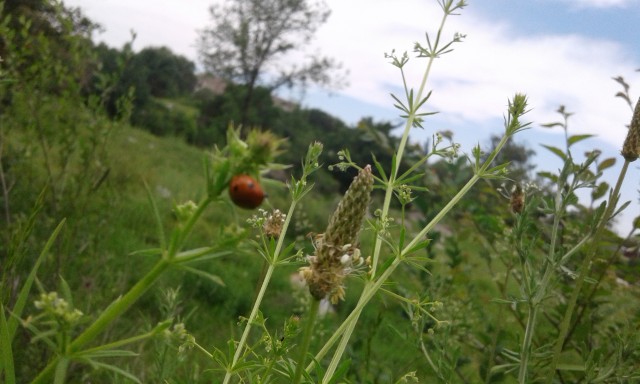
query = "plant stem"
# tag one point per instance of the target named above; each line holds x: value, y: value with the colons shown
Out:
x: 123, y: 303
x: 306, y: 338
x: 400, y: 152
x: 371, y: 288
x: 526, y: 343
x: 584, y: 271
x: 534, y: 299
x: 349, y: 325
x: 106, y: 317
x: 263, y: 289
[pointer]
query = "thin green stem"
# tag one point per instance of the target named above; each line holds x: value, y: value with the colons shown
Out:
x: 371, y: 289
x: 123, y: 342
x: 584, y: 271
x: 306, y: 339
x: 401, y: 147
x: 123, y: 303
x: 106, y: 317
x: 368, y: 292
x: 333, y: 365
x: 263, y: 289
x: 175, y: 246
x: 534, y: 299
x: 526, y: 343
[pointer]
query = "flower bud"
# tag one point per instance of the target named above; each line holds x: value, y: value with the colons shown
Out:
x: 631, y: 146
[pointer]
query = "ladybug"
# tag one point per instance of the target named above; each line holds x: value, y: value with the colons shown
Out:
x: 246, y: 192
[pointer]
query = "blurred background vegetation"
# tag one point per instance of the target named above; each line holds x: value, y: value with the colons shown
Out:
x: 83, y: 129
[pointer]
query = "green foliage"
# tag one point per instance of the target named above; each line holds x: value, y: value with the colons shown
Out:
x: 242, y: 46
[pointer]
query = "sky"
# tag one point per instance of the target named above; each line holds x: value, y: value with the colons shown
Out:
x: 557, y: 52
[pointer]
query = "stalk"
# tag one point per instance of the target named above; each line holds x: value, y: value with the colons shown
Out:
x: 349, y: 325
x: 371, y: 288
x: 106, y: 317
x: 263, y: 289
x: 122, y: 304
x: 584, y: 271
x: 306, y: 338
x: 535, y: 299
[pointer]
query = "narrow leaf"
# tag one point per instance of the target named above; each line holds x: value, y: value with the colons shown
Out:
x: 211, y: 277
x: 6, y: 354
x: 379, y: 167
x: 606, y: 163
x: 115, y: 370
x: 340, y: 372
x: 24, y: 292
x: 576, y: 138
x: 556, y: 151
x: 156, y: 215
x: 551, y: 125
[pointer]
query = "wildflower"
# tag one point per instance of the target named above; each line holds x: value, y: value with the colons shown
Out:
x: 336, y: 251
x: 273, y: 225
x: 631, y: 146
x: 58, y: 307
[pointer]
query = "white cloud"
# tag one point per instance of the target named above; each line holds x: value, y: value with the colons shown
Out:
x: 475, y: 80
x: 471, y: 83
x: 599, y: 3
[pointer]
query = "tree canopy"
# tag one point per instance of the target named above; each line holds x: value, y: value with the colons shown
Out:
x: 249, y: 40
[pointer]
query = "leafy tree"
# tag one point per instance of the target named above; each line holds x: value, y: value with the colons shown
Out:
x: 168, y: 75
x: 249, y: 40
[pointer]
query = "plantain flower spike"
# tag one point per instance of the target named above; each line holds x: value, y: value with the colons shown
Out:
x: 336, y: 251
x: 631, y: 146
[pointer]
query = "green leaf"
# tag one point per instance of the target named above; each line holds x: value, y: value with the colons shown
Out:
x: 606, y: 163
x: 66, y: 291
x: 551, y: 125
x: 379, y: 167
x: 556, y: 151
x: 340, y: 372
x: 504, y: 368
x: 571, y: 367
x: 576, y: 138
x: 600, y: 190
x: 6, y: 354
x: 622, y: 208
x: 12, y: 324
x: 114, y: 369
x: 147, y: 252
x: 199, y: 254
x: 107, y: 353
x: 211, y: 277
x: 549, y: 175
x: 61, y: 371
x: 158, y: 219
x: 417, y: 247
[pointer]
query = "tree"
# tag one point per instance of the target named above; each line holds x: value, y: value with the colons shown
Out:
x: 168, y: 74
x: 249, y: 39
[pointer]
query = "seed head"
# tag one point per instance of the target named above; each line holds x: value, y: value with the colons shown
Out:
x: 517, y: 199
x: 336, y: 250
x: 631, y: 146
x: 273, y: 224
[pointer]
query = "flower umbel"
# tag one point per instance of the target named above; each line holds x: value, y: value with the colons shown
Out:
x: 337, y: 249
x: 631, y: 146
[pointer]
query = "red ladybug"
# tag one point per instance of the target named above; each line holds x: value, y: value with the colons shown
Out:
x: 246, y: 192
